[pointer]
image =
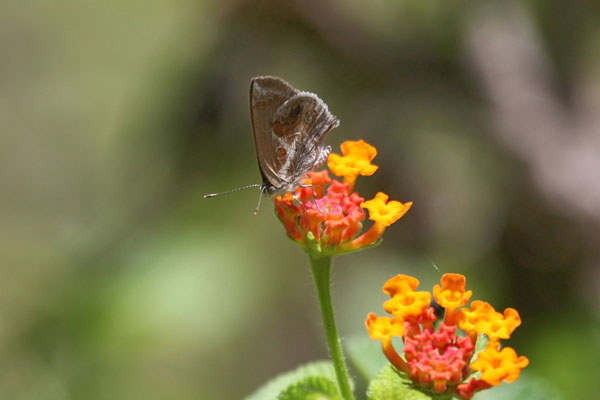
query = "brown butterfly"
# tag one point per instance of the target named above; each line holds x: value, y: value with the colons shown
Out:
x: 289, y: 128
x: 289, y: 131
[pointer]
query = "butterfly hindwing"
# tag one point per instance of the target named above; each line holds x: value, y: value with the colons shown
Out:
x: 301, y: 125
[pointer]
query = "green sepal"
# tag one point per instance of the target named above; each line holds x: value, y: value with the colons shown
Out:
x: 280, y: 384
x: 313, y: 246
x: 390, y: 385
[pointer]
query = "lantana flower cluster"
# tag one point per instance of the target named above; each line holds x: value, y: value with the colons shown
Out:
x: 441, y: 359
x: 325, y: 215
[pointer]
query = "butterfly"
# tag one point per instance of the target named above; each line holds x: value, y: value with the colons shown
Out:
x: 289, y: 128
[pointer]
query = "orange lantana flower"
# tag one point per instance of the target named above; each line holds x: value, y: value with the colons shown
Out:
x: 383, y: 213
x: 482, y: 318
x: 325, y: 216
x: 384, y: 329
x: 451, y: 295
x: 356, y: 160
x: 406, y: 303
x: 499, y: 365
x: 440, y: 358
x: 400, y: 284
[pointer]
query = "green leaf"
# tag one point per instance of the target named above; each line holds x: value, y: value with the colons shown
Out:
x: 366, y: 356
x: 388, y: 385
x: 277, y: 385
x: 312, y: 388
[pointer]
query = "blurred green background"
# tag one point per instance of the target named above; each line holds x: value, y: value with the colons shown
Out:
x: 120, y: 281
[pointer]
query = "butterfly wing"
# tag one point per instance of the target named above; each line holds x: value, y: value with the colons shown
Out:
x: 301, y: 125
x: 267, y: 94
x: 289, y: 131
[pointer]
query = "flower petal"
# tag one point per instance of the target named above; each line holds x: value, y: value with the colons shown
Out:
x: 384, y: 212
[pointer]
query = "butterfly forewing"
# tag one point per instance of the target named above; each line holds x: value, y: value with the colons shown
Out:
x: 289, y: 130
x: 267, y: 94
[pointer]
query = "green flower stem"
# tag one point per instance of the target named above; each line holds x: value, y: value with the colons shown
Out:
x: 321, y: 269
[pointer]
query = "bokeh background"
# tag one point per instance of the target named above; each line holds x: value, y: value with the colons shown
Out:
x: 120, y: 281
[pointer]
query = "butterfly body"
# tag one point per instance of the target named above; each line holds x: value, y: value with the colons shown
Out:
x: 289, y: 129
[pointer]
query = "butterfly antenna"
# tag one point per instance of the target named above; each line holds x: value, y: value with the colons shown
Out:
x: 262, y: 190
x: 206, y: 196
